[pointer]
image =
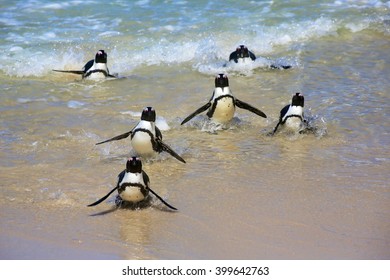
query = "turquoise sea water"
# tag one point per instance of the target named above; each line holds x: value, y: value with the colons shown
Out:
x: 37, y: 36
x: 242, y: 194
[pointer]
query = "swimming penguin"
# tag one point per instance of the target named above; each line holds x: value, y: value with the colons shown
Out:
x: 291, y: 116
x: 93, y: 69
x: 146, y: 138
x: 133, y: 185
x: 222, y: 104
x: 242, y: 53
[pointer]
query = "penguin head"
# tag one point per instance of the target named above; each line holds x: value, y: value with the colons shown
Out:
x: 101, y: 57
x: 298, y: 100
x: 134, y: 165
x: 148, y: 114
x: 221, y: 80
x: 242, y: 51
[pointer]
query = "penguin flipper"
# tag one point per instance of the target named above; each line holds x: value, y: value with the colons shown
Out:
x: 88, y: 65
x: 162, y: 200
x: 252, y: 55
x: 200, y: 110
x: 246, y: 106
x: 233, y: 56
x: 276, y: 127
x: 78, y: 72
x: 104, y: 197
x: 283, y: 112
x: 158, y: 133
x: 112, y: 76
x: 166, y: 148
x: 119, y: 137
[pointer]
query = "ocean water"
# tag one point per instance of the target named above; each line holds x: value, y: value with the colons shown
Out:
x: 242, y: 194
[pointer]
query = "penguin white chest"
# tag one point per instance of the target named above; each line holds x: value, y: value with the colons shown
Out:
x: 224, y: 110
x: 142, y: 143
x: 293, y: 123
x: 244, y: 60
x: 96, y: 76
x: 132, y: 194
x: 97, y: 72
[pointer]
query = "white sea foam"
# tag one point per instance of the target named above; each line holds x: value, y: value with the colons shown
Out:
x: 74, y: 104
x: 109, y: 33
x: 168, y: 39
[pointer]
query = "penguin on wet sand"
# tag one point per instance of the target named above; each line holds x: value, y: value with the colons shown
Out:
x: 242, y: 53
x: 133, y: 186
x: 93, y: 69
x: 222, y: 105
x: 291, y: 116
x: 146, y: 137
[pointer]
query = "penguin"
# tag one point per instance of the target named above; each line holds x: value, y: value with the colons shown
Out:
x: 242, y: 53
x: 133, y: 185
x: 146, y: 137
x: 222, y: 105
x: 291, y: 116
x: 93, y: 69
